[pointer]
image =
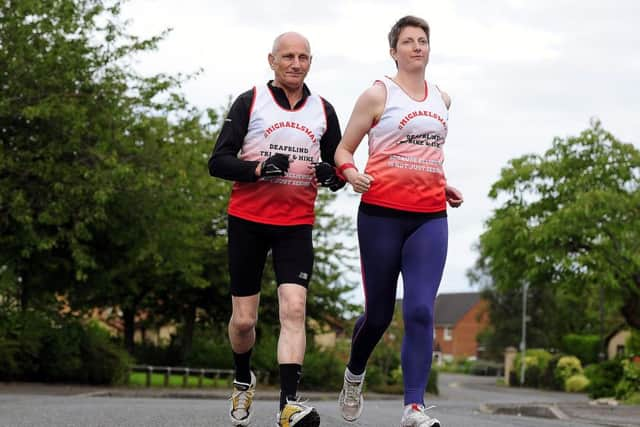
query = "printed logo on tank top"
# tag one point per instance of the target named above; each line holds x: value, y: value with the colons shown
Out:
x: 293, y: 125
x: 288, y: 199
x: 406, y: 152
x: 422, y: 113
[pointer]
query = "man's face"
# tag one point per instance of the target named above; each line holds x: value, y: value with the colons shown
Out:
x: 290, y: 61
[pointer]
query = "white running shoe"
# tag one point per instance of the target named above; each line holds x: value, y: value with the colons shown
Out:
x: 415, y: 416
x: 350, y: 400
x: 241, y: 400
x: 296, y: 413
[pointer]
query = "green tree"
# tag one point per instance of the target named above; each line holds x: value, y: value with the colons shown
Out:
x: 101, y: 170
x: 104, y: 193
x: 569, y: 219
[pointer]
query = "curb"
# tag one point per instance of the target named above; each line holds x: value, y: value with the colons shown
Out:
x: 541, y: 410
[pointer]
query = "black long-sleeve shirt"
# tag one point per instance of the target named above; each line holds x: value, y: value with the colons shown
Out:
x: 224, y: 161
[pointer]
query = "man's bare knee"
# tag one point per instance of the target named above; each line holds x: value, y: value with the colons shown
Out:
x: 242, y: 325
x: 293, y: 312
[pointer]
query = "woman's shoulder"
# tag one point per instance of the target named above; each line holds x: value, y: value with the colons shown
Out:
x: 445, y: 97
x: 376, y: 93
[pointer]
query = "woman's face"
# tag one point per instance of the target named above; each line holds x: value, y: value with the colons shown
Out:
x: 412, y: 49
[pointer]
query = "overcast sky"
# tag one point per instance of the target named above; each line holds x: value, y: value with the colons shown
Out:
x: 518, y: 72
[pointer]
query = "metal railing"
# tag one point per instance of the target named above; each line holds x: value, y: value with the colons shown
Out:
x: 186, y: 372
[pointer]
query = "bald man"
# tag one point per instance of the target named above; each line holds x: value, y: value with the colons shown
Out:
x: 277, y: 144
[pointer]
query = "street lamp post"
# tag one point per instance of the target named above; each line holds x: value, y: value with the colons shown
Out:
x: 523, y: 343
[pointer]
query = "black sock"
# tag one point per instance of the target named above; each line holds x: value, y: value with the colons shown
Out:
x: 290, y: 374
x: 242, y: 363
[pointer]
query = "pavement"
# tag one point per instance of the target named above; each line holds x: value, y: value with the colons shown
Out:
x: 481, y: 392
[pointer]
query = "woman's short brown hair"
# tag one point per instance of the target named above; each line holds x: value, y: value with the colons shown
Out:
x: 406, y: 21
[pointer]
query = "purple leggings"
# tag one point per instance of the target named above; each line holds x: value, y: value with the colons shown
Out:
x: 416, y: 247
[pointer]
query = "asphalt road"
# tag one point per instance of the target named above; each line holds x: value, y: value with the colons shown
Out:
x: 459, y: 404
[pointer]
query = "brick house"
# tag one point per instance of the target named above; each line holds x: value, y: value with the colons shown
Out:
x: 459, y: 317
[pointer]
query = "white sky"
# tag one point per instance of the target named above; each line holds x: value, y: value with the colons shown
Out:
x: 519, y: 73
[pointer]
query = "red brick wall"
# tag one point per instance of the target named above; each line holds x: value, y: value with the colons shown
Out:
x: 464, y: 332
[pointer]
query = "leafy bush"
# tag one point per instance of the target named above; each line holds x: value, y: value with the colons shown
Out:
x: 584, y: 347
x: 548, y: 378
x: 41, y: 347
x: 633, y: 343
x: 629, y: 384
x: 64, y: 358
x: 576, y: 383
x: 323, y: 370
x: 567, y: 367
x: 534, y: 356
x: 209, y: 352
x: 532, y: 376
x: 103, y: 361
x: 603, y: 378
x: 265, y: 356
x: 536, y: 361
x: 432, y: 384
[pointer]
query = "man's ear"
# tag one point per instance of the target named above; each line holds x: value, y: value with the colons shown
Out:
x: 271, y: 60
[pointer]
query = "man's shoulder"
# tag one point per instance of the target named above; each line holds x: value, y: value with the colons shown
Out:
x: 327, y: 105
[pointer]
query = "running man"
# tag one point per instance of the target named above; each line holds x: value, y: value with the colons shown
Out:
x: 277, y: 144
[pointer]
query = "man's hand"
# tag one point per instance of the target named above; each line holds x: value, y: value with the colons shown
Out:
x: 276, y: 165
x: 454, y: 196
x: 327, y: 177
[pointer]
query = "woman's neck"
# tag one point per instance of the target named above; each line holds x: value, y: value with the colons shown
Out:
x: 412, y: 83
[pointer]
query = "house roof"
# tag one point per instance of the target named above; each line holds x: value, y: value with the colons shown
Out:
x: 451, y: 307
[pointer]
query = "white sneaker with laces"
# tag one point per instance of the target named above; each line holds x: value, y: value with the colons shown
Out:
x: 415, y: 416
x: 350, y: 400
x: 297, y: 413
x: 241, y: 400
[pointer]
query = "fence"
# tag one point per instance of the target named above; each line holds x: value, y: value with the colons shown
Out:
x: 187, y: 372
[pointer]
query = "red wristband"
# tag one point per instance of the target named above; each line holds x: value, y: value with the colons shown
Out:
x: 344, y: 167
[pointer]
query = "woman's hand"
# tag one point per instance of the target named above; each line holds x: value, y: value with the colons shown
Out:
x: 360, y: 182
x: 453, y: 195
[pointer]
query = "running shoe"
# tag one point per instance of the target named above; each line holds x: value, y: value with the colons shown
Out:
x: 241, y: 400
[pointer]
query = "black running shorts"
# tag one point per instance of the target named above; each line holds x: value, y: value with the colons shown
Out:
x: 249, y: 243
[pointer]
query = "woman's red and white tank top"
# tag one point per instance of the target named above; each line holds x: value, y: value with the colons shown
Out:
x: 289, y: 199
x: 406, y: 152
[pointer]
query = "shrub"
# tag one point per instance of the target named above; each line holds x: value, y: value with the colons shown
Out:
x: 536, y: 361
x: 603, y: 378
x: 567, y: 367
x: 576, y: 383
x: 265, y: 356
x: 548, y: 378
x: 103, y: 361
x: 61, y: 358
x: 629, y: 384
x: 534, y: 356
x: 633, y: 343
x: 584, y: 347
x: 209, y: 352
x: 323, y: 370
x: 532, y: 376
x: 432, y: 384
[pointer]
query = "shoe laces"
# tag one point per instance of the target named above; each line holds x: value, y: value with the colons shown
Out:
x: 352, y: 391
x: 419, y: 411
x: 242, y: 398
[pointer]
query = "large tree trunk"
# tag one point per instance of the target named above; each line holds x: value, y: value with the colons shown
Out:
x: 189, y: 325
x: 128, y: 314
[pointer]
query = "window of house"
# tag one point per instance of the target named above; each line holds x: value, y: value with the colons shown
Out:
x: 448, y: 334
